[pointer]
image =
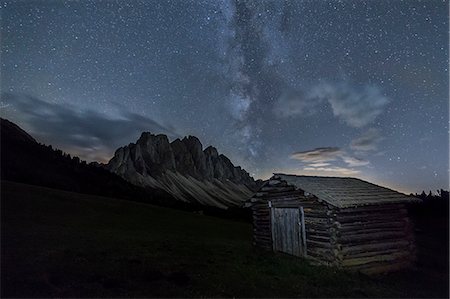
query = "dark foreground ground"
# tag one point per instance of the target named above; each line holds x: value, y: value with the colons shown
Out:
x: 63, y: 244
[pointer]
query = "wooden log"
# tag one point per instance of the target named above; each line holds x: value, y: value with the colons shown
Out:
x: 375, y: 253
x: 365, y: 218
x: 376, y: 258
x: 261, y: 236
x: 317, y: 224
x: 318, y: 238
x: 263, y: 229
x: 262, y: 221
x: 323, y: 233
x: 320, y: 221
x: 348, y: 238
x: 317, y: 244
x: 261, y: 210
x: 261, y: 225
x: 264, y: 218
x: 373, y: 231
x: 321, y: 251
x: 400, y: 213
x: 265, y: 232
x: 262, y: 233
x: 370, y: 225
x: 317, y: 215
x: 261, y: 214
x: 313, y: 205
x: 353, y: 249
x: 371, y: 208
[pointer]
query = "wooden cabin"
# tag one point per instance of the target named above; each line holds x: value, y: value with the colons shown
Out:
x: 343, y: 222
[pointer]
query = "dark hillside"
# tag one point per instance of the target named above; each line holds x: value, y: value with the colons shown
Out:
x: 24, y: 160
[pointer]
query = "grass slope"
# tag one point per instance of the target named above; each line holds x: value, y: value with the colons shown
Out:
x: 57, y: 243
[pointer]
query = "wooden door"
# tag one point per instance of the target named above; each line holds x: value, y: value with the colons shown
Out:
x: 288, y: 231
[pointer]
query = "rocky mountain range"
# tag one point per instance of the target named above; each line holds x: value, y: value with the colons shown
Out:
x: 184, y: 169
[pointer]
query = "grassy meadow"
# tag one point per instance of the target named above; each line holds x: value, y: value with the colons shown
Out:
x: 63, y: 244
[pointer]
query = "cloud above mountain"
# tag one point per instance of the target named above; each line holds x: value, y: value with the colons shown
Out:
x: 87, y: 133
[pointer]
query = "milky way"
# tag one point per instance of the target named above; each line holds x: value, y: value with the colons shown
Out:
x: 346, y: 88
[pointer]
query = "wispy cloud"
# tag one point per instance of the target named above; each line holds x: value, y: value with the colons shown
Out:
x: 87, y: 133
x: 354, y: 161
x: 320, y: 161
x: 296, y: 103
x: 355, y: 106
x: 329, y: 170
x: 368, y: 141
x: 318, y: 155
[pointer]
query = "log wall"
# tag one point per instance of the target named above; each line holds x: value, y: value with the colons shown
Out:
x: 374, y: 239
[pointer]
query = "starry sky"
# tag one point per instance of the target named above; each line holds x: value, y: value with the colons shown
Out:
x: 335, y: 88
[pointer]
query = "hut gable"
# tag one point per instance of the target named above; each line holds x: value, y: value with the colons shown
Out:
x: 344, y: 222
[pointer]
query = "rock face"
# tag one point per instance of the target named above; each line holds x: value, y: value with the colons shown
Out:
x: 183, y: 169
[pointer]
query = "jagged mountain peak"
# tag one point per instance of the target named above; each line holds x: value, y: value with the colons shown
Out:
x: 152, y: 160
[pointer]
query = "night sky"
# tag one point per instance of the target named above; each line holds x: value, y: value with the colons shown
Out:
x: 336, y: 88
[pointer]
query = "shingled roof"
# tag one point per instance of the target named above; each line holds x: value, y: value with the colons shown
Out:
x: 344, y: 192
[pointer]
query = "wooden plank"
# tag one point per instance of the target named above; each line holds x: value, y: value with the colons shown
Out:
x: 278, y: 237
x: 302, y: 232
x: 289, y: 231
x: 296, y: 232
x: 283, y: 230
x: 272, y: 225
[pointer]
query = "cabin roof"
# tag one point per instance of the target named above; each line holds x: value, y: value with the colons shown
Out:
x: 344, y: 192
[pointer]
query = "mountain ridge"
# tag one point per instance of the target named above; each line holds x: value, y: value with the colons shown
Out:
x: 184, y: 169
